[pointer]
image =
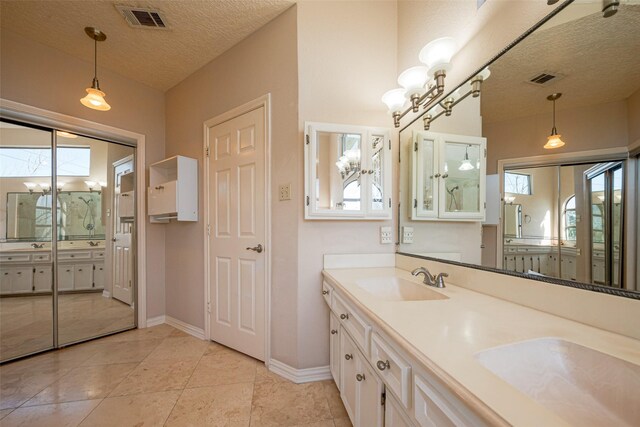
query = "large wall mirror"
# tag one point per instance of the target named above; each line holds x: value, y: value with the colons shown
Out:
x: 565, y: 215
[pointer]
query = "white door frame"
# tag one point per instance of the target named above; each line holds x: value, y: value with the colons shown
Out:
x: 263, y: 101
x: 29, y: 114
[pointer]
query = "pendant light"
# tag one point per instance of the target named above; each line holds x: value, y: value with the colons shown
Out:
x: 553, y: 140
x: 95, y: 97
x: 466, y: 163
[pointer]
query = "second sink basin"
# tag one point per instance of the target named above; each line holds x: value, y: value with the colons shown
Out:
x: 583, y: 386
x: 397, y: 289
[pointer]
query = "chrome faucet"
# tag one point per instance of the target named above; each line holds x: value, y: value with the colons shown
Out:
x: 429, y: 279
x: 92, y: 244
x: 37, y: 246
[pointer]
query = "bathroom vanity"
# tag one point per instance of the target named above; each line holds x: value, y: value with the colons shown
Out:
x: 405, y: 354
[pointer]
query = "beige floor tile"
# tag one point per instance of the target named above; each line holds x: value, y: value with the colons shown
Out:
x: 123, y: 352
x: 264, y: 375
x: 16, y: 388
x: 288, y: 404
x: 5, y: 412
x: 342, y: 422
x: 332, y: 394
x: 178, y: 334
x: 223, y: 368
x: 59, y: 414
x: 184, y: 348
x: 151, y: 409
x: 156, y: 376
x: 215, y: 348
x: 219, y: 406
x: 87, y: 382
x: 152, y: 333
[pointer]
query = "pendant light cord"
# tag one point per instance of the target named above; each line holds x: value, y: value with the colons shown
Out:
x: 554, y: 130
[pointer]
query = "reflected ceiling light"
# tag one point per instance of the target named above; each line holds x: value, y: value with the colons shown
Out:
x: 45, y: 186
x: 66, y: 134
x: 59, y: 185
x: 102, y: 184
x: 554, y: 140
x: 466, y: 163
x: 509, y: 199
x: 90, y: 184
x: 95, y: 97
x: 30, y: 186
x: 423, y: 84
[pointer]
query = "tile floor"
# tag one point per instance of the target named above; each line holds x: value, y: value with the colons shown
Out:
x: 26, y: 322
x: 159, y: 376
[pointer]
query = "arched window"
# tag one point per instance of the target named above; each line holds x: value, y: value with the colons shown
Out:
x: 570, y: 219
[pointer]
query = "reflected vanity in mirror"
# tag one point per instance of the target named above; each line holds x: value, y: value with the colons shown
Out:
x: 567, y: 215
x: 347, y: 172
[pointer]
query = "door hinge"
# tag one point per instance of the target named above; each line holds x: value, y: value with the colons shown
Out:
x: 209, y: 307
x: 207, y: 151
x: 94, y: 267
x: 208, y: 229
x: 34, y: 269
x: 485, y: 153
x: 389, y: 144
x: 485, y: 205
x: 389, y: 201
x: 415, y: 203
x: 307, y: 138
x: 307, y: 200
x: 415, y: 146
x: 383, y: 398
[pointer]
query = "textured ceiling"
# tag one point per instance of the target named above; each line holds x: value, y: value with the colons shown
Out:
x: 200, y: 31
x: 599, y: 57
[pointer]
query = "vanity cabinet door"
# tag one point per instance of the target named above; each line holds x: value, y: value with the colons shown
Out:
x: 462, y: 182
x: 98, y: 276
x: 348, y: 371
x: 393, y: 414
x: 335, y: 331
x: 424, y: 176
x: 22, y: 280
x: 65, y: 277
x: 377, y: 174
x: 369, y: 402
x: 83, y: 277
x: 42, y: 279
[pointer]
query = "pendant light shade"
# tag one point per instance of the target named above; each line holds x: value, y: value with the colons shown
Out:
x: 554, y: 140
x: 95, y: 97
x: 466, y: 163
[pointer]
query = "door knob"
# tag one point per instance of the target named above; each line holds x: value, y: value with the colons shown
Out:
x: 256, y: 248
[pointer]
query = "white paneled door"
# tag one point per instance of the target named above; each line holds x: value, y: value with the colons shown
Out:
x: 122, y: 255
x: 237, y: 188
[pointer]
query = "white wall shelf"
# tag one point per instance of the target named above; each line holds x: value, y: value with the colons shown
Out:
x: 173, y: 190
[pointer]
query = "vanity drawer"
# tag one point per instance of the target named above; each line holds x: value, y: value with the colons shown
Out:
x: 326, y: 292
x: 434, y: 407
x: 74, y: 255
x: 42, y: 257
x: 355, y: 325
x: 393, y: 368
x: 98, y: 254
x: 15, y: 258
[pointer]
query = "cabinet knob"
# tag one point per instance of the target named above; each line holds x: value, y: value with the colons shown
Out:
x: 10, y: 258
x: 325, y: 292
x: 344, y: 316
x: 446, y: 175
x: 360, y: 377
x: 437, y: 175
x: 382, y: 365
x: 348, y: 356
x: 334, y: 331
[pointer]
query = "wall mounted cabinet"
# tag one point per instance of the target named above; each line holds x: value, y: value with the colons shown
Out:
x: 347, y: 172
x: 173, y: 190
x: 448, y: 177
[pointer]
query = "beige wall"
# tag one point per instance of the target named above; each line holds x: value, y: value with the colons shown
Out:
x: 346, y: 60
x: 265, y: 62
x: 633, y: 109
x: 36, y: 75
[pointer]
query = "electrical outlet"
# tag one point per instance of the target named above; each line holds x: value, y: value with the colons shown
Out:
x: 284, y: 192
x: 407, y: 234
x: 386, y: 235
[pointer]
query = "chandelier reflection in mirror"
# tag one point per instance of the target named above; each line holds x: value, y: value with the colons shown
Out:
x: 349, y: 163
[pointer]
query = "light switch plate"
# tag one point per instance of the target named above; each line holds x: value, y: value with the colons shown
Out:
x: 284, y: 192
x: 386, y: 235
x: 407, y: 234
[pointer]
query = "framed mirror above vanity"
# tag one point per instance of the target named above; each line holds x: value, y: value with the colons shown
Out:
x: 535, y: 174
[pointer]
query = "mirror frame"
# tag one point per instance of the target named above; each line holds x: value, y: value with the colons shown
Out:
x: 551, y: 280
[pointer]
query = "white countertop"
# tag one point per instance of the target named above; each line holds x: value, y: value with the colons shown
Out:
x: 444, y: 335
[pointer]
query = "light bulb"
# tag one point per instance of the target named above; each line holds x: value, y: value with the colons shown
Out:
x: 414, y: 80
x: 394, y: 99
x: 95, y: 100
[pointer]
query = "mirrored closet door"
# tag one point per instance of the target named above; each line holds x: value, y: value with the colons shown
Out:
x: 68, y: 239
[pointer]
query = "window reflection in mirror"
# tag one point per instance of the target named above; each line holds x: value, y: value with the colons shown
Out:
x: 338, y: 162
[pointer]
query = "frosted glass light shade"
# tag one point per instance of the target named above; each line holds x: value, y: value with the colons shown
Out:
x: 466, y: 165
x: 59, y: 185
x: 102, y: 184
x: 30, y: 185
x: 90, y: 184
x: 414, y: 80
x: 437, y: 54
x: 394, y: 99
x: 45, y: 186
x: 95, y: 100
x: 554, y: 141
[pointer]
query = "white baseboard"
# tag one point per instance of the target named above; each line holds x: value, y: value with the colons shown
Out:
x: 155, y: 321
x: 106, y: 294
x: 300, y: 376
x: 184, y: 327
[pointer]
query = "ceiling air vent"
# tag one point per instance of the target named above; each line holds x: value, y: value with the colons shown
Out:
x: 545, y: 78
x: 138, y: 17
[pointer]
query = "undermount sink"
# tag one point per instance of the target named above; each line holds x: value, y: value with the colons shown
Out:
x: 397, y: 289
x: 582, y: 386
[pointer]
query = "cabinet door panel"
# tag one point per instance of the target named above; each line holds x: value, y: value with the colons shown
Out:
x: 82, y: 276
x: 42, y: 279
x: 22, y: 280
x: 370, y: 411
x: 348, y: 371
x: 378, y: 168
x: 424, y: 176
x: 163, y: 198
x: 393, y: 414
x: 98, y: 276
x: 334, y: 346
x: 65, y: 277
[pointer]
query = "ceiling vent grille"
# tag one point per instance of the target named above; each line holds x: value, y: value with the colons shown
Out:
x: 545, y: 78
x: 138, y: 17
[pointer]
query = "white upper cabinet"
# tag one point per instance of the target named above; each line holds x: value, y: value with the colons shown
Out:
x: 347, y: 172
x: 173, y: 190
x: 448, y: 177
